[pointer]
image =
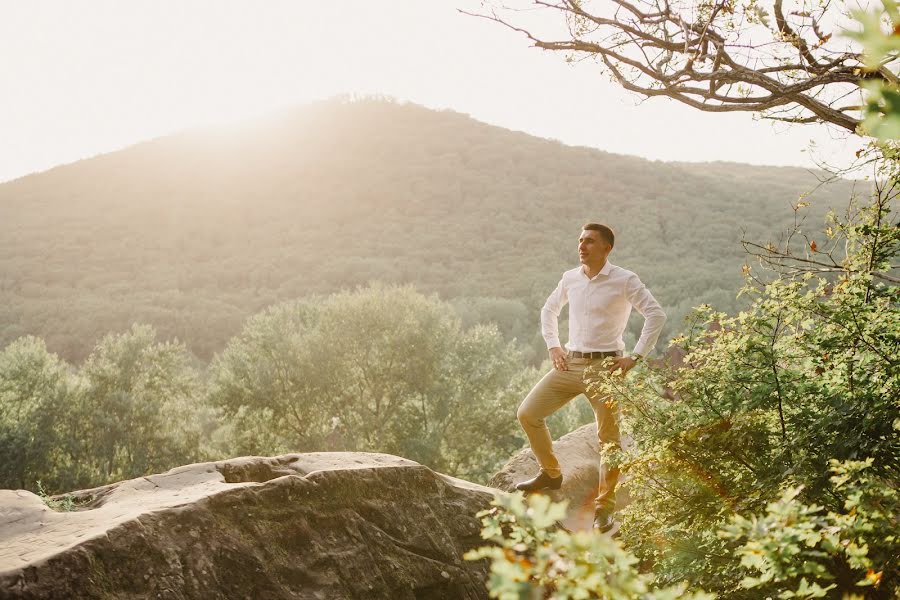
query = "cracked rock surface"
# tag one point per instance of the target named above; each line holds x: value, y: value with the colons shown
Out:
x: 318, y: 525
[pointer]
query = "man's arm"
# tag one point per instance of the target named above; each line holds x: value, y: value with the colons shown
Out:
x: 654, y: 317
x: 550, y: 324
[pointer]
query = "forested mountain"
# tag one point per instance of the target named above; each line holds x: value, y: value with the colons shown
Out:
x: 194, y: 232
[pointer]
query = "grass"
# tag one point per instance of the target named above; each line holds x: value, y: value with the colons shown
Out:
x: 61, y: 504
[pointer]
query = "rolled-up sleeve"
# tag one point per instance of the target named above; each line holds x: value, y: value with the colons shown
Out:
x: 550, y: 315
x: 654, y: 317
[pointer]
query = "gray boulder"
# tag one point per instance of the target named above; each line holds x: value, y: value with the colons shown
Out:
x: 317, y: 526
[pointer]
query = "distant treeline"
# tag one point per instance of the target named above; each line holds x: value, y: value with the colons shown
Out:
x: 194, y: 233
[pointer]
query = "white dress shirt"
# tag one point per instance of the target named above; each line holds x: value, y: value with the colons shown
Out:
x: 599, y: 308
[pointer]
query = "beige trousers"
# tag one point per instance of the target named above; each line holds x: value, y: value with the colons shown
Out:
x: 551, y: 393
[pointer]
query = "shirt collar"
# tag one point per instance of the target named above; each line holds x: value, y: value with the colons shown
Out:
x: 605, y: 271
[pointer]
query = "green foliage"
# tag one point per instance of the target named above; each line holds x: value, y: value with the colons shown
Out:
x: 882, y: 110
x: 763, y: 401
x: 382, y: 368
x: 36, y: 396
x: 131, y: 409
x: 64, y: 503
x: 805, y: 551
x: 263, y: 384
x: 767, y: 455
x: 136, y: 411
x: 514, y: 320
x: 532, y: 557
x: 881, y: 117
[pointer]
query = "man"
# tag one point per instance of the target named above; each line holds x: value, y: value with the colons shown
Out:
x: 600, y: 297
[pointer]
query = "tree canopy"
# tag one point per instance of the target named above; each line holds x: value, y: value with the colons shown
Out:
x: 378, y: 369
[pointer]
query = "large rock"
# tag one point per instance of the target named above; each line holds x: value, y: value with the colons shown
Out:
x: 318, y: 525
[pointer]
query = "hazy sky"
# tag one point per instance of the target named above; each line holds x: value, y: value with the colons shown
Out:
x: 78, y: 78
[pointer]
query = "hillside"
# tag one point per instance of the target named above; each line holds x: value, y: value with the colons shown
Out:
x: 194, y: 232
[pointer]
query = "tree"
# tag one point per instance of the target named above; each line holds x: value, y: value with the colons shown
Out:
x: 263, y: 382
x: 767, y: 405
x: 136, y: 410
x: 791, y: 63
x: 467, y: 426
x: 382, y: 368
x: 128, y: 411
x: 35, y: 409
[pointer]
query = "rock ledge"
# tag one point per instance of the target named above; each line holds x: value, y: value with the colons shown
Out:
x: 318, y: 525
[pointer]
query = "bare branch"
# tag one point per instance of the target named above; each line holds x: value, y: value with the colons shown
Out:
x: 664, y: 48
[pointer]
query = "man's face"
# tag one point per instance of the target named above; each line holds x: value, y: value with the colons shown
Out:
x: 592, y: 249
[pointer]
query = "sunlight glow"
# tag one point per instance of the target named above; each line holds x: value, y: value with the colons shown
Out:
x: 92, y: 77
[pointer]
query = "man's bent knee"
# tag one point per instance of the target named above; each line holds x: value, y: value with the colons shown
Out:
x: 527, y: 419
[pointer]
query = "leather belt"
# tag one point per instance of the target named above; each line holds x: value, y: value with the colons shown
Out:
x: 576, y: 354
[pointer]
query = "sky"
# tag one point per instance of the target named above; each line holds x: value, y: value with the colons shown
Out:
x: 80, y: 78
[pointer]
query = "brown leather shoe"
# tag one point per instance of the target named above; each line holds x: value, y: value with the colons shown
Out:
x: 541, y: 482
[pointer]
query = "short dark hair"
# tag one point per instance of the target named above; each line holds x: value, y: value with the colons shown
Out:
x: 605, y: 232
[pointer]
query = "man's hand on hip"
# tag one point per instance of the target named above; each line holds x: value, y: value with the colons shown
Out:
x: 558, y: 358
x: 621, y: 363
